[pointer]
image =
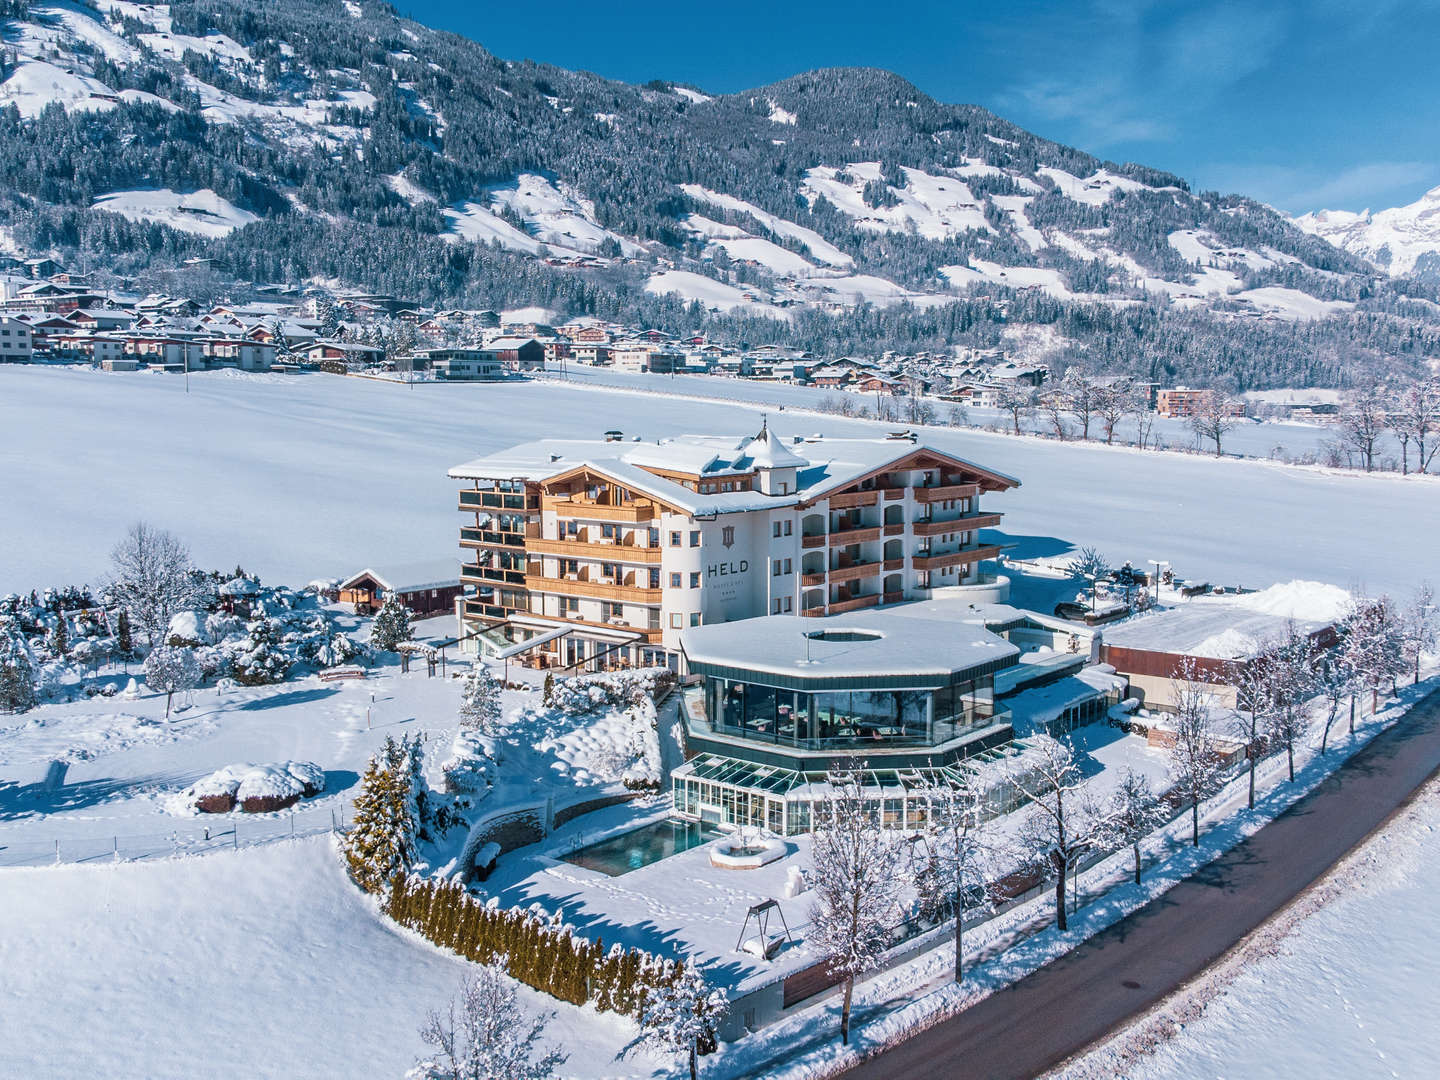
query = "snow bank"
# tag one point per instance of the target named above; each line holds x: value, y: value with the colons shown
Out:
x: 1304, y: 601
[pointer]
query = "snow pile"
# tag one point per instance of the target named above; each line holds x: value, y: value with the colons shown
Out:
x: 1229, y: 644
x: 188, y: 628
x: 1303, y: 601
x: 470, y: 768
x: 202, y: 212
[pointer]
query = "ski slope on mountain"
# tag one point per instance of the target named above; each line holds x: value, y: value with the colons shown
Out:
x: 201, y: 212
x: 264, y: 470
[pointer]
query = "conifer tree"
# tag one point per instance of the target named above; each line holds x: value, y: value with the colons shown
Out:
x: 381, y: 843
x: 60, y: 639
x: 17, y: 671
x: 261, y: 661
x: 392, y: 624
x: 480, y: 700
x: 124, y: 642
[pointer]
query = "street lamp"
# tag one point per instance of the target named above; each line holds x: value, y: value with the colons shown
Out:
x: 1158, y: 563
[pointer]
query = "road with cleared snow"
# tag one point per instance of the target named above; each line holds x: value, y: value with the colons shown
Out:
x: 1058, y: 1011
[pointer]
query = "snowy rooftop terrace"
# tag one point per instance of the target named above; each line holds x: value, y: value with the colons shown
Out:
x: 1231, y: 627
x: 900, y: 649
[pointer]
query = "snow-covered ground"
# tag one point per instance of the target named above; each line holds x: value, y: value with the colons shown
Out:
x: 267, y: 469
x: 1340, y: 988
x: 266, y: 962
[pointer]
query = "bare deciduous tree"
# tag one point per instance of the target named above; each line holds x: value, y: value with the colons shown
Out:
x: 857, y: 863
x: 1017, y: 399
x: 486, y: 1035
x: 955, y: 862
x: 1058, y: 828
x: 1421, y: 626
x: 152, y: 579
x: 1214, y: 417
x: 1415, y: 418
x: 1194, y: 762
x: 1362, y: 422
x: 1133, y: 812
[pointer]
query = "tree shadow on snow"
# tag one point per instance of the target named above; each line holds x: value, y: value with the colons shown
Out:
x: 291, y: 697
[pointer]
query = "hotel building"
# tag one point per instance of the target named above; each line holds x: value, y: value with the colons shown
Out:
x: 604, y: 551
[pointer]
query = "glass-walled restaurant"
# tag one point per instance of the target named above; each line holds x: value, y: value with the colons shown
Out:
x: 841, y: 719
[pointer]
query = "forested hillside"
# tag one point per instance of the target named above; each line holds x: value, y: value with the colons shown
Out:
x: 841, y: 210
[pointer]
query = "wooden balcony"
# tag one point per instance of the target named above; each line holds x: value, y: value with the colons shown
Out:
x: 893, y: 494
x: 854, y: 573
x: 855, y: 604
x: 895, y: 528
x: 494, y: 500
x: 893, y: 597
x: 816, y: 612
x: 854, y: 498
x: 489, y: 538
x: 585, y: 549
x: 964, y: 557
x: 894, y: 564
x: 845, y: 537
x: 590, y: 511
x: 964, y: 523
x: 488, y: 575
x: 945, y: 491
x: 597, y: 590
x: 813, y: 579
x: 813, y: 541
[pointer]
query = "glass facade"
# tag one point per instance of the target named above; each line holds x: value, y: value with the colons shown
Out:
x: 842, y: 719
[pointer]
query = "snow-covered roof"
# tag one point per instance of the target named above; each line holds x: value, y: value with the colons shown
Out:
x: 872, y: 645
x: 1232, y: 627
x: 411, y: 577
x: 822, y: 465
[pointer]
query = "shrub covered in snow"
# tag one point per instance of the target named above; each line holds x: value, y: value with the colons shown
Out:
x: 587, y: 693
x: 392, y: 624
x: 260, y: 660
x: 187, y: 628
x: 470, y: 768
x: 256, y: 789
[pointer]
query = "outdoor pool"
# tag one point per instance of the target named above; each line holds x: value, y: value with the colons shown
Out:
x: 641, y: 847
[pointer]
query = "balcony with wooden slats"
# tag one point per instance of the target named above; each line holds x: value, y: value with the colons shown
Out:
x: 941, y: 492
x: 963, y: 523
x: 590, y: 549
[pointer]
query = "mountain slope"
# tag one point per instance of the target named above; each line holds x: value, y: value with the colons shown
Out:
x: 840, y: 209
x: 1401, y: 240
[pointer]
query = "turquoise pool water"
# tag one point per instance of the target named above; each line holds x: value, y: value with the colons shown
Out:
x: 641, y: 847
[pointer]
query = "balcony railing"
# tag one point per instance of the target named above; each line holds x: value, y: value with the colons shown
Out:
x: 854, y: 604
x: 491, y: 500
x: 590, y: 549
x: 854, y: 572
x: 965, y: 556
x: 941, y: 492
x: 842, y: 537
x: 813, y: 579
x: 472, y: 537
x: 592, y: 511
x: 812, y: 540
x: 963, y: 523
x: 854, y: 498
x: 602, y: 590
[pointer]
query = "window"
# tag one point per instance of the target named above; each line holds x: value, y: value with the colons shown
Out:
x: 654, y: 577
x: 695, y: 538
x: 607, y: 569
x: 789, y: 527
x: 677, y: 620
x: 695, y: 579
x: 674, y: 539
x: 789, y: 605
x: 775, y: 606
x: 784, y: 487
x: 615, y: 611
x: 775, y: 529
x: 607, y: 531
x: 654, y: 538
x: 694, y: 618
x: 775, y: 567
x: 677, y: 581
x: 789, y: 567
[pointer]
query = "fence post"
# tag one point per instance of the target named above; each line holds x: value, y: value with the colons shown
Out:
x: 235, y: 836
x: 57, y: 851
x: 292, y: 823
x: 115, y: 851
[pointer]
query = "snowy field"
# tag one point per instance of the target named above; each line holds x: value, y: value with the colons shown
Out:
x: 263, y: 963
x: 299, y: 477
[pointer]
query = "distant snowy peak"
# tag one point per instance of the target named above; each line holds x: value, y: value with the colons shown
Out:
x: 1402, y: 240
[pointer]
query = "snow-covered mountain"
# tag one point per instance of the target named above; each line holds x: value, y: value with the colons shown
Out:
x: 840, y: 209
x: 1401, y: 240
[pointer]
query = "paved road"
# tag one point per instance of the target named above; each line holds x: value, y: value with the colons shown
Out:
x: 1065, y: 1006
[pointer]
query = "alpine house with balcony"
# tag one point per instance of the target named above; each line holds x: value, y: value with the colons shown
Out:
x: 601, y: 552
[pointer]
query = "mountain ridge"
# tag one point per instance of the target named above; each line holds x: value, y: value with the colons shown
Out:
x: 842, y: 208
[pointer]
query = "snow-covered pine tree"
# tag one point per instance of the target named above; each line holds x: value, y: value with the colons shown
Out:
x: 261, y: 661
x: 683, y: 1015
x: 60, y: 639
x: 856, y: 864
x: 547, y: 694
x: 392, y: 624
x: 17, y: 670
x: 381, y: 842
x: 124, y: 642
x: 171, y: 669
x: 480, y: 706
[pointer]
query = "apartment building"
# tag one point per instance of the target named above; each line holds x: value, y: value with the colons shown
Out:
x: 1182, y: 401
x: 609, y: 549
x: 16, y: 341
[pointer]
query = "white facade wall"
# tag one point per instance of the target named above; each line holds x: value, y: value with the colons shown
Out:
x: 17, y: 343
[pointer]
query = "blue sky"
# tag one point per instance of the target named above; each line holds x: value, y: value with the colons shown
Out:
x: 1329, y: 103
